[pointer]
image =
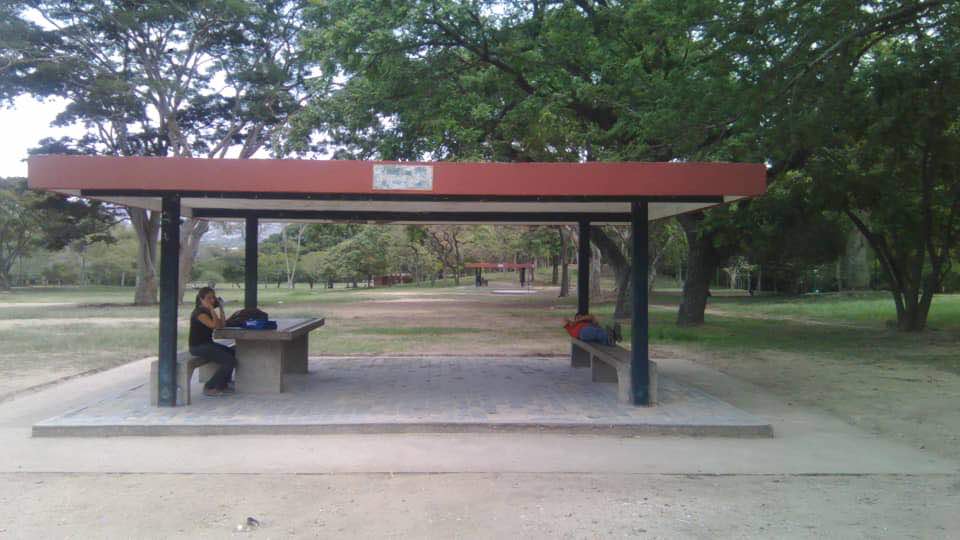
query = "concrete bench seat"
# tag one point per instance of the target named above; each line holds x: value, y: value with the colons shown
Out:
x: 186, y: 364
x: 610, y: 363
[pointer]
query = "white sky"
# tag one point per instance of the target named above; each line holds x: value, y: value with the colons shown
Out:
x: 23, y: 126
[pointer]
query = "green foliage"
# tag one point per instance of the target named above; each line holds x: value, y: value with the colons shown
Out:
x: 113, y: 262
x: 787, y: 232
x: 322, y: 236
x: 60, y: 272
x: 357, y: 258
x: 514, y: 82
x: 30, y: 220
x: 232, y: 269
x: 893, y: 165
x: 155, y: 78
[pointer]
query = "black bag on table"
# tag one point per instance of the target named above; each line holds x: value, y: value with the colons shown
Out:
x: 238, y: 318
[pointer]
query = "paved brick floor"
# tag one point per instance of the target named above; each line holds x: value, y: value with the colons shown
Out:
x: 418, y: 394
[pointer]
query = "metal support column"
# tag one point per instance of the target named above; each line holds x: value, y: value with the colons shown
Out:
x: 250, y: 263
x: 583, y: 269
x: 169, y: 283
x: 640, y: 344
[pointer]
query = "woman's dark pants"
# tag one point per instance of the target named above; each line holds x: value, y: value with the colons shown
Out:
x: 222, y: 355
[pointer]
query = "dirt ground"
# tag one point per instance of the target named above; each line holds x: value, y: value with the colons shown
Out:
x: 909, y: 402
x: 914, y: 404
x: 478, y: 506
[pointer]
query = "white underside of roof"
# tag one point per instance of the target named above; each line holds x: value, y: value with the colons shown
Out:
x: 657, y: 210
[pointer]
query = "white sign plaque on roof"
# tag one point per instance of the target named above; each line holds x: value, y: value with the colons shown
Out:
x: 401, y: 177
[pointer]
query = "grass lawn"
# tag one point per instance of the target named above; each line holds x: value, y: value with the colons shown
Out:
x: 849, y: 327
x: 65, y: 330
x: 854, y: 307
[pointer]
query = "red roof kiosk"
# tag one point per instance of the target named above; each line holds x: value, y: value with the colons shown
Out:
x: 398, y: 192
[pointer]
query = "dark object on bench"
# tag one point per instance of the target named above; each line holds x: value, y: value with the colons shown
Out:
x: 239, y: 318
x: 611, y: 363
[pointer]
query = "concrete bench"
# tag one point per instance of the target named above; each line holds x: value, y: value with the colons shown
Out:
x: 186, y: 364
x: 610, y: 363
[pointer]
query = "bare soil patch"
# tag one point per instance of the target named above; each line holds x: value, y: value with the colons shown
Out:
x: 477, y: 506
x: 913, y: 403
x: 116, y: 322
x: 899, y: 398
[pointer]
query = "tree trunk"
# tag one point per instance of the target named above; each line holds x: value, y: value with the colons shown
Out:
x: 702, y: 262
x: 555, y: 278
x: 564, y: 264
x: 596, y: 263
x: 459, y: 261
x: 291, y: 263
x: 839, y: 276
x: 615, y: 256
x: 624, y: 306
x: 190, y: 234
x: 912, y: 297
x: 146, y: 224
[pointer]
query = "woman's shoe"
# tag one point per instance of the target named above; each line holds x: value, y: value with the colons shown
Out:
x: 228, y: 390
x: 212, y: 392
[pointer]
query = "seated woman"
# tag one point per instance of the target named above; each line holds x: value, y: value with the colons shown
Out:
x: 207, y: 316
x: 585, y: 327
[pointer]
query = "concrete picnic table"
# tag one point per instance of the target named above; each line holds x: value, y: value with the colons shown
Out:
x: 263, y: 356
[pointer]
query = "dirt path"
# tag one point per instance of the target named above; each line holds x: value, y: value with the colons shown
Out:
x: 490, y: 326
x: 14, y: 305
x: 116, y: 322
x: 478, y: 506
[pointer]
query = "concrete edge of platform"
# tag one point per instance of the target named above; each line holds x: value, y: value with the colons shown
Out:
x: 689, y: 430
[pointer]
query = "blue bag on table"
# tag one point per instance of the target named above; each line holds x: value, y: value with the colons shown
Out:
x: 260, y: 324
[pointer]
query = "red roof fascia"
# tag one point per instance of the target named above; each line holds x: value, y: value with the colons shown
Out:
x: 623, y: 179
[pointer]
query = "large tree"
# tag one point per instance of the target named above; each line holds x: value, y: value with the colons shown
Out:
x: 839, y: 88
x: 894, y: 167
x: 205, y: 78
x: 544, y: 81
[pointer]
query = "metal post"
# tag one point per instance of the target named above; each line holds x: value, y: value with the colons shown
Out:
x: 169, y: 279
x: 250, y: 263
x: 583, y: 269
x: 640, y: 344
x: 523, y: 276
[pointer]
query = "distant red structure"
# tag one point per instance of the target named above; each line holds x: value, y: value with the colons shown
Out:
x: 499, y: 266
x: 391, y: 279
x: 481, y: 266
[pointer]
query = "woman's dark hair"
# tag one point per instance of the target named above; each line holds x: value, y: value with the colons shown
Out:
x: 204, y: 291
